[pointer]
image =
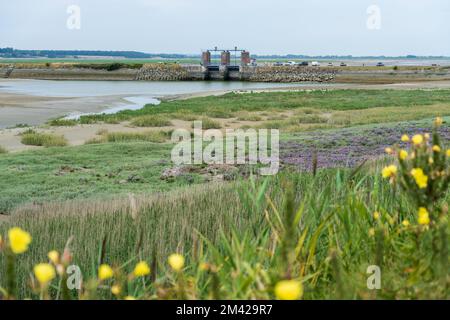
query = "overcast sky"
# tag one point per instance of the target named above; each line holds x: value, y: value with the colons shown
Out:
x: 312, y: 27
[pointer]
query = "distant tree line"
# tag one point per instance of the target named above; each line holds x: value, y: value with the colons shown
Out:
x: 53, y: 54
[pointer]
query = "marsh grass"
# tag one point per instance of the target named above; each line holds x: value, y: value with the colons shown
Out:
x: 249, y: 233
x: 62, y: 123
x: 150, y: 136
x: 43, y: 139
x: 208, y: 123
x: 151, y: 121
x: 3, y: 150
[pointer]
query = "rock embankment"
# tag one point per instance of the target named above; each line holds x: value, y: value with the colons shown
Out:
x: 289, y: 74
x: 163, y: 72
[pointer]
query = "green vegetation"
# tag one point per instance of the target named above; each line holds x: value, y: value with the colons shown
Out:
x: 89, y: 171
x: 3, y: 150
x: 368, y: 106
x: 151, y: 121
x: 62, y: 123
x: 320, y: 229
x: 150, y: 136
x: 33, y: 138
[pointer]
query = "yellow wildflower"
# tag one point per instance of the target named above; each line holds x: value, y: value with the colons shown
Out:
x: 115, y: 290
x: 417, y: 139
x: 405, y: 223
x: 405, y: 138
x: 388, y: 150
x: 18, y: 240
x: 438, y: 121
x: 424, y: 216
x: 403, y: 155
x: 376, y: 215
x: 420, y: 178
x: 44, y: 273
x: 389, y: 172
x: 176, y: 262
x: 53, y: 256
x: 129, y: 298
x: 448, y: 152
x: 204, y: 266
x: 142, y: 269
x: 436, y: 148
x: 430, y: 160
x: 427, y: 136
x: 105, y: 272
x: 371, y: 232
x: 288, y: 290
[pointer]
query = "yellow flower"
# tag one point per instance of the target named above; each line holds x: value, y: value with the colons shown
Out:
x: 403, y: 155
x: 105, y: 272
x: 44, y: 273
x: 417, y: 139
x: 53, y: 256
x: 288, y: 290
x: 426, y: 136
x: 388, y: 150
x: 142, y: 269
x: 436, y: 149
x: 420, y: 177
x: 129, y: 298
x: 424, y: 217
x: 18, y: 240
x: 371, y: 232
x: 115, y: 289
x: 430, y: 160
x: 389, y: 172
x: 438, y: 121
x: 405, y: 223
x: 448, y: 152
x: 204, y: 266
x: 405, y: 138
x: 376, y: 215
x: 176, y: 261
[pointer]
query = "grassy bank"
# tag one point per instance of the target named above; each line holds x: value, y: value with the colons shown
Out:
x: 298, y: 111
x: 63, y: 173
x: 235, y: 239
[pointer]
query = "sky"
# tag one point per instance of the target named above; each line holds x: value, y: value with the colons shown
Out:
x: 310, y: 27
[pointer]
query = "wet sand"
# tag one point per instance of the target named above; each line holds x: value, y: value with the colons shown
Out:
x: 35, y: 110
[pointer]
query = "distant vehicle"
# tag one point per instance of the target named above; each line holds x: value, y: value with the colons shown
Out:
x: 330, y: 64
x: 380, y: 64
x: 278, y: 64
x: 315, y: 64
x: 435, y: 65
x: 292, y: 63
x: 304, y: 63
x: 343, y: 64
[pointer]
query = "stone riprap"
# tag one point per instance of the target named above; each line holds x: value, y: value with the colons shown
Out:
x: 163, y: 72
x: 288, y: 74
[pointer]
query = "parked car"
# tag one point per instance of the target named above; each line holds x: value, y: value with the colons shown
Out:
x: 380, y: 64
x: 278, y: 64
x: 304, y: 63
x: 330, y: 64
x: 315, y: 64
x: 343, y: 64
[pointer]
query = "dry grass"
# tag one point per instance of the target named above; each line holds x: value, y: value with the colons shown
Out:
x: 151, y: 121
x: 33, y: 138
